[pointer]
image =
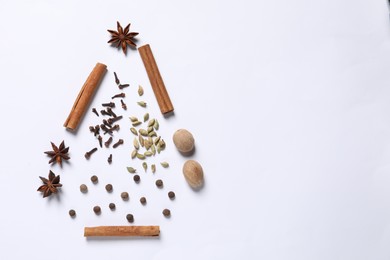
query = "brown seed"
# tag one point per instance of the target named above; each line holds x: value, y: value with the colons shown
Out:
x: 112, y: 206
x: 94, y: 179
x: 125, y: 195
x: 142, y: 200
x: 97, y: 210
x: 109, y: 160
x: 166, y: 212
x: 136, y: 178
x: 109, y: 187
x: 72, y: 213
x: 83, y: 188
x: 159, y: 183
x: 130, y: 218
x: 171, y: 195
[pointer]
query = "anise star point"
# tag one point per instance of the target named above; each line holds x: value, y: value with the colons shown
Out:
x: 50, y: 185
x: 122, y: 37
x: 58, y: 154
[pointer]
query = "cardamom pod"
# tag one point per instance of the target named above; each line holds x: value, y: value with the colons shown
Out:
x: 156, y: 124
x: 140, y: 90
x: 153, y: 149
x: 148, y: 153
x: 151, y: 134
x: 150, y: 129
x: 134, y: 131
x: 143, y: 132
x: 145, y: 166
x: 134, y: 154
x: 151, y: 122
x: 157, y: 140
x: 153, y: 166
x: 136, y: 123
x: 165, y: 164
x: 141, y: 156
x: 142, y: 103
x: 133, y: 119
x: 146, y: 117
x: 131, y: 170
x: 135, y: 143
x: 141, y: 140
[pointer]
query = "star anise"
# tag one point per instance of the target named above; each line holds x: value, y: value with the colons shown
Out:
x: 122, y: 37
x: 58, y: 154
x: 50, y: 185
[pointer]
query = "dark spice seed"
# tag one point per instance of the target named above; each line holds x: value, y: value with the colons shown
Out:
x: 123, y: 104
x: 109, y: 110
x: 116, y: 79
x: 108, y: 142
x: 83, y: 188
x: 111, y: 104
x: 121, y: 95
x: 125, y: 195
x: 104, y: 113
x: 87, y: 155
x: 95, y: 111
x: 94, y: 179
x: 120, y: 141
x: 109, y: 160
x: 109, y: 187
x: 136, y: 178
x: 142, y: 200
x: 97, y: 210
x: 159, y: 183
x: 114, y: 119
x: 100, y: 141
x: 122, y: 86
x: 112, y: 206
x: 171, y: 195
x: 130, y: 218
x: 166, y: 212
x: 72, y: 213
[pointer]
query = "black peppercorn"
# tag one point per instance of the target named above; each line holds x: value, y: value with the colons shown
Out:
x: 94, y: 179
x: 125, y: 195
x: 171, y: 195
x: 109, y: 187
x: 130, y: 218
x: 97, y: 210
x: 142, y: 200
x: 112, y: 206
x: 159, y: 183
x: 136, y: 178
x: 166, y: 212
x: 72, y: 213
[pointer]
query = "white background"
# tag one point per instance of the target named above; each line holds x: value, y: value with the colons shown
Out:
x: 289, y: 103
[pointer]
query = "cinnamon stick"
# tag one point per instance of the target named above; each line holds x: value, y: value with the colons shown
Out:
x: 155, y: 79
x: 121, y: 231
x: 85, y: 96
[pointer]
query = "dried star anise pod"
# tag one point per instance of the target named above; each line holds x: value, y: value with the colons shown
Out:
x: 50, y: 185
x: 58, y: 154
x: 122, y: 37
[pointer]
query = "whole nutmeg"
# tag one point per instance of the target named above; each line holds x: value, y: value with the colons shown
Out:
x: 183, y: 140
x: 193, y: 174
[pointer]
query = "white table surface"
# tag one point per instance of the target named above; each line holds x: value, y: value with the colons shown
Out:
x: 289, y: 103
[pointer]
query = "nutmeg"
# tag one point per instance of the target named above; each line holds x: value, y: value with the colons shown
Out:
x: 193, y: 173
x: 183, y: 140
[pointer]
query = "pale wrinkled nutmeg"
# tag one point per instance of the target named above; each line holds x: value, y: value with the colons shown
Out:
x: 183, y: 140
x: 193, y: 174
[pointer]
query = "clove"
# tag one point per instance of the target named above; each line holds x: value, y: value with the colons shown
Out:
x: 114, y: 119
x: 100, y: 141
x: 115, y: 128
x: 123, y: 105
x: 122, y: 86
x: 95, y: 130
x: 111, y: 104
x: 120, y: 141
x: 109, y: 160
x: 106, y: 123
x: 105, y: 129
x: 110, y: 112
x: 95, y: 111
x: 88, y: 154
x: 116, y: 79
x: 121, y: 95
x: 104, y: 113
x: 108, y: 142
